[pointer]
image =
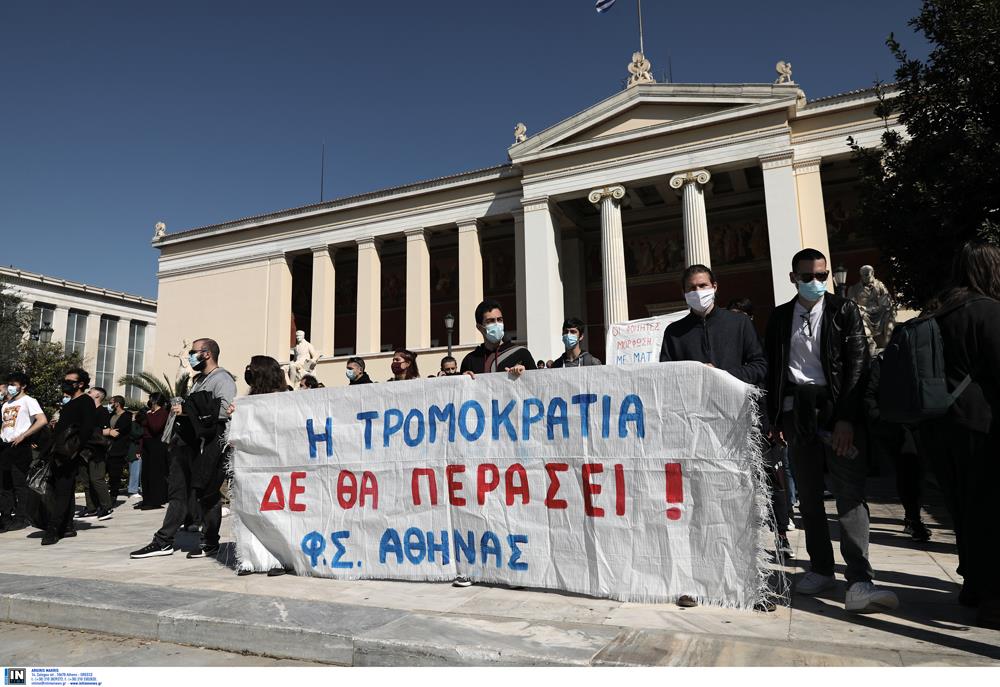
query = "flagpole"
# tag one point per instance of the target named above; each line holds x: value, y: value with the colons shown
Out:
x: 322, y: 171
x: 638, y: 5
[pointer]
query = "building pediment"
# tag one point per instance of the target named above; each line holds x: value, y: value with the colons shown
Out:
x: 652, y: 109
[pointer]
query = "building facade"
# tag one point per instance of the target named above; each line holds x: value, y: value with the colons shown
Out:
x: 595, y: 217
x: 114, y: 332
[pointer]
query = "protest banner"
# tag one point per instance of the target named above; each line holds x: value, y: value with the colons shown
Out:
x: 638, y: 484
x: 638, y: 341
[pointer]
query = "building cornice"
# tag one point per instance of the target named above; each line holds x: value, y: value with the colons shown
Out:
x: 14, y: 276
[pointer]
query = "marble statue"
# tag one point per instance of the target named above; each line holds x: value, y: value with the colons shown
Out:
x: 520, y: 133
x: 183, y: 366
x: 784, y: 70
x: 640, y: 70
x: 304, y: 359
x: 160, y: 230
x: 877, y: 308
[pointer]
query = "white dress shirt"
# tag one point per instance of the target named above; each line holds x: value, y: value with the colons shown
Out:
x: 805, y: 364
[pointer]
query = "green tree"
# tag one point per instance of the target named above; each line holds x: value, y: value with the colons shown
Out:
x: 14, y: 320
x: 46, y: 363
x: 148, y: 383
x: 924, y: 193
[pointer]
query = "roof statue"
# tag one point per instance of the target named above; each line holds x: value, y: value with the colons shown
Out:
x: 640, y: 70
x: 784, y: 70
x: 520, y: 133
x: 160, y: 230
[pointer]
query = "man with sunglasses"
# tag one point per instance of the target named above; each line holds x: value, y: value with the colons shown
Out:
x: 816, y: 351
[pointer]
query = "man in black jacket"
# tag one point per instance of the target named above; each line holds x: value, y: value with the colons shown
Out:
x: 120, y: 433
x: 817, y: 350
x: 713, y: 336
x: 77, y: 417
x: 496, y: 353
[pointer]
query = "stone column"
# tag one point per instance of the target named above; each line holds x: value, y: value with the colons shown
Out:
x: 470, y: 280
x: 91, y: 343
x: 369, y: 336
x: 59, y: 317
x: 279, y: 308
x: 121, y: 356
x: 783, y: 230
x: 324, y: 283
x: 612, y: 253
x: 696, y: 250
x: 519, y: 276
x: 418, y: 290
x: 543, y: 280
x: 812, y: 212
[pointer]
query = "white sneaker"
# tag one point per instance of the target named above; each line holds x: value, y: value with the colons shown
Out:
x: 864, y: 597
x: 791, y: 524
x: 226, y: 512
x: 461, y: 581
x: 814, y: 583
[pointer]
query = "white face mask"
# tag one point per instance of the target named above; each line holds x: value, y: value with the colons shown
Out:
x: 700, y: 300
x: 12, y: 390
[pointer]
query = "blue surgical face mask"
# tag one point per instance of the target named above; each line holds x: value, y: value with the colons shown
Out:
x: 812, y: 290
x: 12, y: 391
x: 193, y: 360
x: 570, y: 341
x: 494, y: 332
x: 65, y: 400
x: 351, y: 374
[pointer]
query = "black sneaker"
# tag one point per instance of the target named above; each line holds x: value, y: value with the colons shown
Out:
x: 686, y: 601
x: 87, y: 514
x: 917, y: 530
x: 204, y: 552
x: 277, y: 572
x: 105, y: 514
x: 49, y: 540
x: 461, y: 581
x: 152, y: 550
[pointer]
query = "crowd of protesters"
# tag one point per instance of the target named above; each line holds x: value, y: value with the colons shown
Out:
x: 820, y: 413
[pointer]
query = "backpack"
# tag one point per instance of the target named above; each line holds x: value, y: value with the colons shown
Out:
x: 913, y: 386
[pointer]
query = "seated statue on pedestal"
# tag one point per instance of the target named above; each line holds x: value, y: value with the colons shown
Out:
x: 877, y: 308
x: 304, y: 359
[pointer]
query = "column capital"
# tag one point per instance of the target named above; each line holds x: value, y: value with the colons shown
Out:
x: 368, y: 242
x: 807, y: 166
x: 415, y: 234
x: 775, y: 160
x: 615, y: 192
x: 698, y: 176
x: 536, y: 203
x: 469, y: 224
x: 323, y: 249
x: 276, y: 256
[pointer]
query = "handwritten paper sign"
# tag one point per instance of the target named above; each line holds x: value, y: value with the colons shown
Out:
x: 638, y: 341
x: 636, y: 484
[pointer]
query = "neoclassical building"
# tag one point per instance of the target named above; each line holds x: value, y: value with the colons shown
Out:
x: 595, y: 216
x: 114, y: 332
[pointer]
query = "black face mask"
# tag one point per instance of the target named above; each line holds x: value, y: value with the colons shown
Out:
x: 68, y: 387
x: 247, y: 377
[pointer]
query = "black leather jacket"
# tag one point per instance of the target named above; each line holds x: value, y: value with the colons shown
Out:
x: 843, y: 350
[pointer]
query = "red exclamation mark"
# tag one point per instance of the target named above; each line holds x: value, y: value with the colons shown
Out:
x: 675, y: 489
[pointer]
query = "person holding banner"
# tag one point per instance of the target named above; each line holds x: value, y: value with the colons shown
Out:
x: 356, y: 372
x: 572, y: 336
x: 817, y: 350
x: 404, y: 365
x: 495, y: 354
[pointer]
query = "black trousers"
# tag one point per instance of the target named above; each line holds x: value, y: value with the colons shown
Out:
x: 61, y: 502
x: 775, y: 471
x: 93, y: 477
x: 116, y: 468
x: 14, y: 463
x: 153, y: 477
x: 180, y: 496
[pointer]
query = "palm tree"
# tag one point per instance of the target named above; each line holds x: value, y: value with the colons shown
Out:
x: 148, y: 383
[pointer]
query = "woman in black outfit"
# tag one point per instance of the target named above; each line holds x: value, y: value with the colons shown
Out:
x: 154, y: 454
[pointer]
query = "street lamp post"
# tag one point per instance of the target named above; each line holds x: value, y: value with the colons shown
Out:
x: 449, y: 324
x: 840, y: 280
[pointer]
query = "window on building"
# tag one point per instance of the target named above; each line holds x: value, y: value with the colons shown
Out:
x: 136, y: 346
x: 41, y: 322
x: 105, y: 376
x: 76, y: 332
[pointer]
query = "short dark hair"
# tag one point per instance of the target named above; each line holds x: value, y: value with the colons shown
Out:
x: 696, y: 269
x: 102, y: 391
x: 211, y: 345
x: 156, y: 398
x: 540, y: 363
x: 310, y: 381
x: 806, y: 254
x: 81, y: 374
x: 574, y: 323
x: 120, y: 400
x: 484, y: 308
x: 19, y: 378
x: 744, y: 305
x: 448, y: 359
x: 357, y: 361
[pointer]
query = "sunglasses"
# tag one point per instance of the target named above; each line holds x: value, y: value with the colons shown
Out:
x: 204, y: 350
x: 806, y: 277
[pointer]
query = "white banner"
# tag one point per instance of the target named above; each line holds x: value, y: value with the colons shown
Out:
x: 638, y: 484
x: 638, y: 341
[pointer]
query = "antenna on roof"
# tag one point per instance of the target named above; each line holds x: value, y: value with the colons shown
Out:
x: 322, y: 170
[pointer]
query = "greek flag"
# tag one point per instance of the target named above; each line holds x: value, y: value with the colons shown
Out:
x: 604, y: 5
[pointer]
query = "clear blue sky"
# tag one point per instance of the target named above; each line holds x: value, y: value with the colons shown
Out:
x: 118, y: 114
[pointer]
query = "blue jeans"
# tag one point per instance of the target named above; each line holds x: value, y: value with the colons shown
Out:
x: 134, y: 470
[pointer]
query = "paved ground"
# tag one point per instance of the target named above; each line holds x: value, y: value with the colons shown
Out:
x: 203, y: 603
x: 27, y: 645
